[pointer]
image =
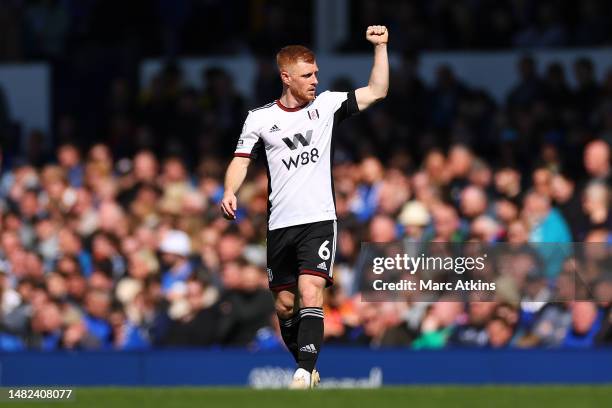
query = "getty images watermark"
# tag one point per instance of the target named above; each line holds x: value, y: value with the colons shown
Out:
x: 474, y: 271
x: 411, y: 265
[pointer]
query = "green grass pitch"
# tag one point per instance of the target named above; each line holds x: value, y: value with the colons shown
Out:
x: 413, y: 397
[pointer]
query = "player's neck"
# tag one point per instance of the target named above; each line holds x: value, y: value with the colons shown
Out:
x: 288, y: 100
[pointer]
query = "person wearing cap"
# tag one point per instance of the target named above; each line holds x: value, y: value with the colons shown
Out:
x: 175, y: 248
x: 414, y: 217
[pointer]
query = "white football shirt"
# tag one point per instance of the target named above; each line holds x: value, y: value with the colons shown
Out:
x: 298, y: 147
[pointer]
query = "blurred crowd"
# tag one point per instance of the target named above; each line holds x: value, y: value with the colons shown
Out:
x: 97, y: 45
x: 121, y: 245
x: 53, y: 28
x: 481, y: 24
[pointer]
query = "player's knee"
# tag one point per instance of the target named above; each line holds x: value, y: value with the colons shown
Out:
x: 284, y: 311
x: 284, y: 305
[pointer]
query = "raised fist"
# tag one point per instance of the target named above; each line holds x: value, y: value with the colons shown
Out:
x: 377, y: 34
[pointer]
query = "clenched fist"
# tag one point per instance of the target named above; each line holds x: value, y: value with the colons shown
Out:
x: 377, y: 34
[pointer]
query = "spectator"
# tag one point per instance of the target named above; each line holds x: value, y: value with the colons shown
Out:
x: 245, y: 309
x: 175, y: 247
x: 69, y: 159
x: 597, y: 161
x: 70, y: 244
x: 447, y: 225
x: 382, y: 229
x: 473, y: 332
x: 546, y: 223
x: 367, y: 198
x: 586, y: 322
x: 530, y: 87
x: 97, y: 308
x: 198, y: 324
x: 460, y: 159
x: 566, y: 199
x: 485, y: 229
x: 499, y: 332
x: 557, y: 92
x: 595, y: 204
x: 45, y: 327
x: 340, y: 315
x: 445, y: 97
x: 473, y: 202
x: 438, y: 324
x: 414, y: 217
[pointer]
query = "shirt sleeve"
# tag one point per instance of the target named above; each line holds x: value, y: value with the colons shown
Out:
x: 248, y: 140
x: 344, y: 104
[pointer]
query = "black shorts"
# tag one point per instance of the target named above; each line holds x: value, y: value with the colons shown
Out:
x: 306, y: 249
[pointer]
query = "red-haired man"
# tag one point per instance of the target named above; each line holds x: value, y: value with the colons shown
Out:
x: 295, y: 133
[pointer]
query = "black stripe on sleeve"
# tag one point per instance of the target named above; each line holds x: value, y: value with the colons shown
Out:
x: 351, y: 104
x: 347, y: 108
x: 257, y: 149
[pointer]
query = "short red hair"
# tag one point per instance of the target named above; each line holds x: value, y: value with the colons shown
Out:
x: 293, y: 53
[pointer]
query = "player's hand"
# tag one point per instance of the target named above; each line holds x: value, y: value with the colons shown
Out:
x: 229, y: 205
x: 377, y: 34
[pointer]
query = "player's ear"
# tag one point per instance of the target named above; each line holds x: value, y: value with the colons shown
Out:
x: 285, y: 77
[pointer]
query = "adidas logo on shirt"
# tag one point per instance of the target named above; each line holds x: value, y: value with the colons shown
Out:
x: 322, y: 266
x: 274, y: 129
x: 309, y: 349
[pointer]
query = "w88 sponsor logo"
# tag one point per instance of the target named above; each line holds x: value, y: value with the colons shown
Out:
x: 302, y: 159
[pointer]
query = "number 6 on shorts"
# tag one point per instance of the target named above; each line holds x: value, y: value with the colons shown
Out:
x: 324, y: 251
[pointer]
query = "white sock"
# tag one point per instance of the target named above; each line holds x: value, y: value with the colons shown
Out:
x: 301, y: 373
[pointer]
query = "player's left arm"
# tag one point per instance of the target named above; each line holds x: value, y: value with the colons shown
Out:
x: 378, y: 84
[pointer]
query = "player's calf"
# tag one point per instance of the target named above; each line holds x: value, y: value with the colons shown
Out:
x: 310, y: 337
x: 288, y: 320
x: 310, y: 332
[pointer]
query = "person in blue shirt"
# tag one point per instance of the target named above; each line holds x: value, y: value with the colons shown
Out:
x: 548, y: 229
x: 175, y: 248
x: 97, y: 306
x: 586, y: 322
x: 69, y: 158
x: 547, y: 223
x: 125, y: 334
x: 46, y: 327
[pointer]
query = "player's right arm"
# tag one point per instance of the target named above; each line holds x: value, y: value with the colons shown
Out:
x: 234, y: 177
x: 237, y: 169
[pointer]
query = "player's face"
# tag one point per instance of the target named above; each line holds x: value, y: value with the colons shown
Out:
x: 302, y: 80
